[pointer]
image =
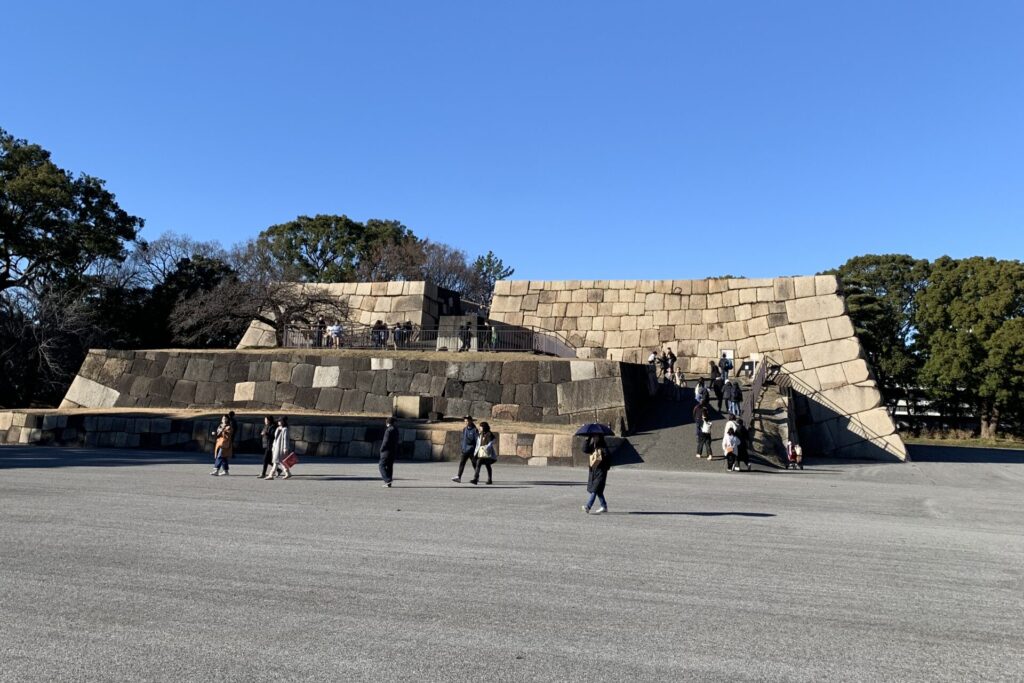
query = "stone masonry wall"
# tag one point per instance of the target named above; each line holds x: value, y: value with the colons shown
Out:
x: 550, y: 391
x: 392, y: 302
x: 800, y: 322
x: 312, y: 436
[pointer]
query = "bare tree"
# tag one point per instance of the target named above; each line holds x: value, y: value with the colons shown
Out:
x: 225, y: 311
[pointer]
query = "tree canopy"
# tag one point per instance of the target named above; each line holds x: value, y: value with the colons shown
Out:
x: 54, y: 225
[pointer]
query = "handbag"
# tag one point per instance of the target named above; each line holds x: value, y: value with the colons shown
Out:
x: 290, y: 460
x: 485, y: 454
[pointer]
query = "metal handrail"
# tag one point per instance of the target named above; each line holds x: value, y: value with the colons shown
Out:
x: 864, y: 433
x: 496, y: 338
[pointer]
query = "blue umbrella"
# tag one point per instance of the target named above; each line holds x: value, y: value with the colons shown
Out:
x: 593, y: 429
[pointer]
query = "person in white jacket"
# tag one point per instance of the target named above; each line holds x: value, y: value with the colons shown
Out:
x: 730, y: 446
x: 280, y: 450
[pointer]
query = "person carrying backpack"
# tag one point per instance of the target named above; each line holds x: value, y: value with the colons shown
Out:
x: 597, y: 477
x: 724, y: 365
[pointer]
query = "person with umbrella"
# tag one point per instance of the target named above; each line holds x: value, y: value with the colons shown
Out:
x: 600, y: 462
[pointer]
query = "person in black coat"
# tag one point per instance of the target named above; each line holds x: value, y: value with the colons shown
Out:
x: 742, y: 453
x: 600, y: 463
x: 468, y: 442
x: 388, y: 452
x: 267, y: 439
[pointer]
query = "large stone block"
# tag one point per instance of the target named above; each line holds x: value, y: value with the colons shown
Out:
x: 302, y: 375
x: 380, y: 405
x: 852, y: 399
x: 590, y: 394
x: 840, y: 327
x: 326, y: 376
x: 281, y: 371
x: 245, y: 391
x: 814, y: 308
x: 790, y: 336
x: 184, y: 392
x: 90, y: 394
x: 830, y: 353
x: 329, y: 400
x: 412, y: 407
x: 198, y: 369
x: 816, y: 331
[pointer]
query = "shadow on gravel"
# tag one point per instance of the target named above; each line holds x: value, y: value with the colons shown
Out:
x: 934, y: 453
x: 553, y: 483
x: 12, y: 457
x: 706, y: 514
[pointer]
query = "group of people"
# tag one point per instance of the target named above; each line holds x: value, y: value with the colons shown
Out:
x: 736, y: 439
x: 400, y: 334
x: 277, y: 452
x: 478, y: 448
x: 328, y: 336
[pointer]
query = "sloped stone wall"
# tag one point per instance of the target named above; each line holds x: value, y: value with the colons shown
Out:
x: 393, y: 302
x: 800, y: 322
x: 530, y: 390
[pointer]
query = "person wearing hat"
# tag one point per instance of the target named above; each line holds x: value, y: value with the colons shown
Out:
x: 467, y: 442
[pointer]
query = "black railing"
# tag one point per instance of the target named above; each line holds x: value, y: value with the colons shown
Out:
x: 863, y: 433
x: 444, y: 338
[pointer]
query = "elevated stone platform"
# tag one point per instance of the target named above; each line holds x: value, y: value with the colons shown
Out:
x: 507, y: 387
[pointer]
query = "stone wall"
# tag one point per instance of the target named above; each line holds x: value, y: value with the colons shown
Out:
x: 313, y: 436
x: 800, y: 322
x: 421, y: 303
x: 535, y: 389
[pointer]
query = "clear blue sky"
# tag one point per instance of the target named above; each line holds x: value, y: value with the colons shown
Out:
x: 575, y: 139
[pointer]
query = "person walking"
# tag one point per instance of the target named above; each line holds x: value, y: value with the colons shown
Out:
x: 280, y: 451
x: 388, y: 452
x: 700, y: 392
x: 698, y: 418
x: 468, y: 443
x: 729, y: 445
x: 267, y: 441
x: 222, y: 449
x: 704, y: 436
x: 743, y: 451
x: 736, y: 400
x: 724, y: 365
x: 486, y: 455
x: 718, y: 386
x: 597, y: 477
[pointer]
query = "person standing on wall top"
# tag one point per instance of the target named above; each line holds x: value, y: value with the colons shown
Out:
x: 388, y: 452
x: 724, y: 365
x: 470, y: 434
x: 321, y: 330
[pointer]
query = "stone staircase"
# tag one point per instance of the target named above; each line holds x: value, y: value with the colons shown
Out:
x: 666, y: 437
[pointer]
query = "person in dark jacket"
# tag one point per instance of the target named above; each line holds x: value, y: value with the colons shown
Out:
x: 718, y: 386
x: 597, y: 478
x: 388, y: 452
x: 486, y: 455
x: 267, y: 440
x: 734, y: 397
x: 724, y: 365
x: 234, y: 427
x: 468, y: 444
x: 743, y: 452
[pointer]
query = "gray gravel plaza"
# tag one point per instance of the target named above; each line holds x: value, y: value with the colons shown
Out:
x: 121, y: 565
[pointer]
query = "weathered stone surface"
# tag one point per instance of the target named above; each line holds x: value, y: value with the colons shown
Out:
x: 589, y: 394
x: 281, y: 371
x: 302, y: 375
x: 329, y: 400
x: 830, y: 353
x: 198, y: 369
x: 90, y: 394
x: 545, y: 395
x: 382, y: 405
x: 352, y: 401
x: 326, y: 376
x: 245, y: 391
x: 840, y: 328
x: 184, y: 392
x: 413, y: 407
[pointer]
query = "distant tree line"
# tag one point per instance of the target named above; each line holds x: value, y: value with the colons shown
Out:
x: 75, y: 274
x: 943, y: 337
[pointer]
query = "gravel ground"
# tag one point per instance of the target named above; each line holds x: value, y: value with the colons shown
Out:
x: 132, y: 566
